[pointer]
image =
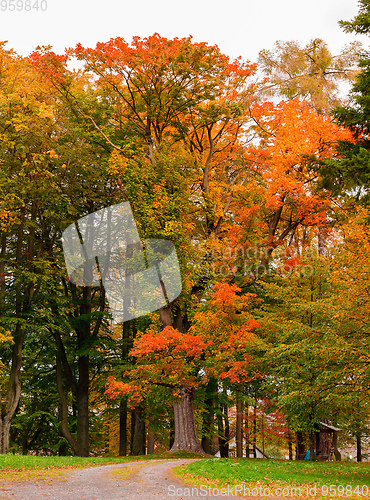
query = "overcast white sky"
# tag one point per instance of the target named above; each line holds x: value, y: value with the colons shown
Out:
x: 238, y: 27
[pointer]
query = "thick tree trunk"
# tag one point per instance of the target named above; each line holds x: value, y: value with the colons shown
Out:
x: 359, y: 450
x: 165, y: 315
x: 186, y: 437
x: 63, y: 447
x: 80, y: 388
x: 206, y: 438
x: 300, y: 450
x: 138, y: 435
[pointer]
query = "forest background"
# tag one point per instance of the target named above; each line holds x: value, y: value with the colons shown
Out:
x: 258, y: 173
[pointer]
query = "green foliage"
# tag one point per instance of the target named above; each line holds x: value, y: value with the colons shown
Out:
x: 350, y: 172
x: 361, y: 22
x: 304, y: 354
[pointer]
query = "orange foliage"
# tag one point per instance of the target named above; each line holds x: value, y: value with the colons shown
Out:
x: 228, y: 322
x: 116, y: 388
x: 216, y: 345
x: 169, y: 342
x: 291, y: 133
x: 283, y: 194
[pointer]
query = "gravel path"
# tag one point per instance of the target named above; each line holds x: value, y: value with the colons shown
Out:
x: 132, y: 481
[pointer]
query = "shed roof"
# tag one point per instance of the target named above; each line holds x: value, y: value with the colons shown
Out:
x: 331, y: 427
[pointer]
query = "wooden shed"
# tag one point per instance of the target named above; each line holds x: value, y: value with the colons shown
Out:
x: 325, y: 443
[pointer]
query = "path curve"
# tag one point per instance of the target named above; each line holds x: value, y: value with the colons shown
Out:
x: 152, y: 480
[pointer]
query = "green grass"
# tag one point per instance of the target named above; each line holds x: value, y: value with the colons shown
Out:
x: 278, y: 473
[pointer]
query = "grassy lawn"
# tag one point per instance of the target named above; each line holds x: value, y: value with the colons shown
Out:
x: 23, y: 467
x: 276, y: 475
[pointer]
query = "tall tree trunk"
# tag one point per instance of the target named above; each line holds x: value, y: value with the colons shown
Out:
x: 221, y: 434
x: 123, y: 428
x: 186, y: 437
x: 172, y: 432
x: 208, y: 417
x: 63, y: 447
x: 358, y: 446
x: 246, y: 427
x: 63, y: 417
x: 290, y: 444
x: 300, y: 450
x: 239, y: 425
x: 82, y: 396
x: 138, y: 437
x: 83, y: 406
x: 126, y: 345
x: 227, y: 431
x: 254, y: 431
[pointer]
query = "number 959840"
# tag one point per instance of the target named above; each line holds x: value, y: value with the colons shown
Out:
x: 23, y: 5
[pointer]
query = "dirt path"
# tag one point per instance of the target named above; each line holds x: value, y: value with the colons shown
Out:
x: 132, y: 481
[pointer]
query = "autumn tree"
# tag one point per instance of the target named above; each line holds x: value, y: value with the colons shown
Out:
x: 283, y: 193
x: 304, y: 352
x: 215, y: 347
x: 309, y: 72
x: 30, y: 202
x: 48, y: 170
x: 170, y: 113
